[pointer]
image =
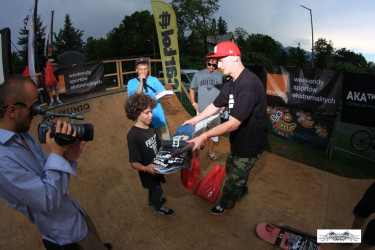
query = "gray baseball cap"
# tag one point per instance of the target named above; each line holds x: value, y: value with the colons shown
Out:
x: 141, y: 60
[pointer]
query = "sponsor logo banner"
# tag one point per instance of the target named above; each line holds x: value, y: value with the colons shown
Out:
x: 81, y: 79
x: 312, y: 90
x: 358, y: 99
x: 166, y: 26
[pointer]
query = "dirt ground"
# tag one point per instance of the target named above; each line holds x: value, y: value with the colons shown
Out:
x: 281, y: 191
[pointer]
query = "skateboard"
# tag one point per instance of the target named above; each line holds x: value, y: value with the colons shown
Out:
x: 287, y: 237
x: 175, y: 153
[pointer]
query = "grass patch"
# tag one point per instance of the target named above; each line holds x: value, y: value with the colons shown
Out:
x: 342, y: 163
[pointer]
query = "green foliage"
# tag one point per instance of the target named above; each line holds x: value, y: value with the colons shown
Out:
x: 97, y: 49
x: 69, y: 38
x: 136, y: 35
x: 258, y: 58
x: 195, y: 15
x: 263, y: 48
x: 343, y: 55
x: 348, y: 67
x: 297, y: 57
x: 17, y: 65
x: 323, y: 51
x: 222, y: 27
x: 191, y: 62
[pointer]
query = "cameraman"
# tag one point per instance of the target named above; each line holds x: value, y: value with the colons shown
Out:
x: 32, y: 182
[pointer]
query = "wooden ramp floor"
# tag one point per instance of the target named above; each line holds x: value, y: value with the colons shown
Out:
x: 281, y: 191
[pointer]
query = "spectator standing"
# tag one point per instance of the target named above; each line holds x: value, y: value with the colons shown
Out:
x: 150, y: 86
x: 208, y: 82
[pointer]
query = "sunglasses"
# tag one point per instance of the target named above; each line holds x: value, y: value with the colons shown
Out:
x: 212, y: 64
x: 16, y: 103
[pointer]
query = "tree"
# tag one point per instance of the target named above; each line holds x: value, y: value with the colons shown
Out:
x: 23, y: 42
x: 17, y: 65
x: 195, y: 16
x: 222, y: 27
x: 69, y: 38
x: 135, y: 36
x: 323, y: 51
x: 96, y: 49
x: 297, y: 57
x: 241, y: 35
x: 346, y: 56
x: 214, y: 27
x: 263, y: 44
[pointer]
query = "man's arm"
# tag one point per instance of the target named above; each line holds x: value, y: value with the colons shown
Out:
x: 221, y: 129
x: 20, y: 185
x: 192, y: 99
x: 207, y: 112
x: 140, y: 87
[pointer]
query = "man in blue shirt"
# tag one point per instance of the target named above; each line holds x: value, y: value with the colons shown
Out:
x: 32, y: 182
x: 150, y: 86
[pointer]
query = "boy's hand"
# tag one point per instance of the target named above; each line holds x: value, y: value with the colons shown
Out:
x: 150, y: 168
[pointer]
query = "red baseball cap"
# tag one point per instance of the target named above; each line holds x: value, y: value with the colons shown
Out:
x: 224, y: 49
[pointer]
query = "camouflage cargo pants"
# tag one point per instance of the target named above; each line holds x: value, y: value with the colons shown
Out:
x: 238, y: 171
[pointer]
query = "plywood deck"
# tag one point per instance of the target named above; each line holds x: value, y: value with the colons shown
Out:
x: 281, y: 191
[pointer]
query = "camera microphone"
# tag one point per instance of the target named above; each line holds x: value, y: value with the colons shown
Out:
x: 36, y: 109
x: 83, y: 131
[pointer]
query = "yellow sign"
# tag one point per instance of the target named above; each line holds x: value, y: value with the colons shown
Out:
x: 166, y: 26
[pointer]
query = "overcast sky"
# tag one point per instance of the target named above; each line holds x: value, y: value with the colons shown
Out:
x: 347, y: 23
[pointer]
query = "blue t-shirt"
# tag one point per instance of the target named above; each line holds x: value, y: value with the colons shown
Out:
x: 158, y: 119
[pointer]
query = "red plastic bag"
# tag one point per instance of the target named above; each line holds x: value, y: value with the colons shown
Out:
x: 50, y: 78
x: 189, y: 178
x: 209, y: 186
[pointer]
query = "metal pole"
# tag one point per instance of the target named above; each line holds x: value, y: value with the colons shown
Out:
x: 36, y: 37
x: 312, y: 37
x: 153, y: 45
x: 52, y: 13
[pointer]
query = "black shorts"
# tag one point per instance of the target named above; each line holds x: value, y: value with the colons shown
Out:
x: 366, y: 206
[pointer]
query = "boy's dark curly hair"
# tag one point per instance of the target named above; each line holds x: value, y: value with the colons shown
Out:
x: 137, y: 103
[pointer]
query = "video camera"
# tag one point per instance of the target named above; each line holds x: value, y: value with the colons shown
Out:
x: 84, y: 132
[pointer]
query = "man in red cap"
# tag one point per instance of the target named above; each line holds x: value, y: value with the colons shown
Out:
x: 248, y: 124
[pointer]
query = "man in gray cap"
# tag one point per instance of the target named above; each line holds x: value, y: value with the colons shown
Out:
x: 150, y: 86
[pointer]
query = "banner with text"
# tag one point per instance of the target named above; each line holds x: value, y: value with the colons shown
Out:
x: 358, y: 94
x: 81, y: 79
x: 166, y: 26
x: 5, y: 55
x: 314, y: 90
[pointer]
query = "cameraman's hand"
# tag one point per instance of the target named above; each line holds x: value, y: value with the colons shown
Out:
x: 70, y: 152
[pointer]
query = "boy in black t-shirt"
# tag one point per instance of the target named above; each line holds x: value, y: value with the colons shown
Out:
x: 143, y: 144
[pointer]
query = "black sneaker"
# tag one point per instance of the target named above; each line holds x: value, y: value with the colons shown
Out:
x: 245, y: 192
x: 163, y: 202
x: 108, y: 246
x: 165, y: 211
x: 218, y: 210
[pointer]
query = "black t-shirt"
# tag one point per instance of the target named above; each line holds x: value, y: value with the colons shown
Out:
x: 143, y: 145
x: 248, y: 104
